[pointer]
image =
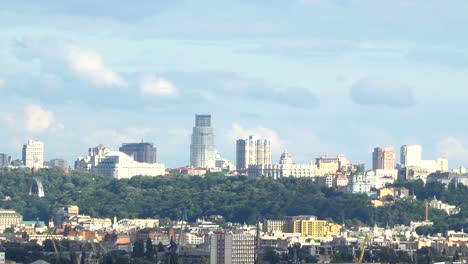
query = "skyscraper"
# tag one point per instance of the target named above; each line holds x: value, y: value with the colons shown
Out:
x: 232, y: 248
x: 411, y: 155
x: 4, y: 160
x: 141, y: 152
x: 383, y: 158
x: 33, y: 154
x: 202, y: 148
x: 252, y: 151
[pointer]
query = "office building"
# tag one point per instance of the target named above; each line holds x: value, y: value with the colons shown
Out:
x: 141, y: 152
x: 411, y: 155
x: 121, y: 166
x: 33, y: 154
x: 232, y: 248
x: 252, y: 151
x: 326, y: 165
x: 202, y: 148
x: 285, y: 168
x: 383, y: 158
x: 9, y: 218
x: 442, y: 165
x: 4, y: 160
x: 58, y: 163
x: 305, y: 225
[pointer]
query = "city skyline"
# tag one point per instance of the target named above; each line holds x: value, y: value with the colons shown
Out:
x: 301, y: 81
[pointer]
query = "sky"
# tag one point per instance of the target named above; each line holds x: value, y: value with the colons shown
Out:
x: 315, y: 76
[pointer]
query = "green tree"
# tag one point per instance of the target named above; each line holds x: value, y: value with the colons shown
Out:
x: 138, y: 249
x: 149, y: 249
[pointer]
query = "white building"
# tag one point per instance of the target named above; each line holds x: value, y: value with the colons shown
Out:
x: 120, y: 166
x: 384, y: 177
x: 202, y: 148
x: 232, y: 248
x: 285, y: 168
x: 194, y: 238
x: 33, y: 154
x: 411, y: 155
x: 252, y: 151
x: 9, y: 218
x: 359, y: 183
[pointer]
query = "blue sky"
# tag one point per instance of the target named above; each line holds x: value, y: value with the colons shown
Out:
x: 316, y: 76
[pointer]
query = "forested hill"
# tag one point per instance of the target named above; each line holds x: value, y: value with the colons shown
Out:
x: 238, y: 199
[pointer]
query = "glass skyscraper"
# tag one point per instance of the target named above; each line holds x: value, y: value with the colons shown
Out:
x: 202, y: 148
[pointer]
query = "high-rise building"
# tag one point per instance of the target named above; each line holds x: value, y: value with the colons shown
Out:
x: 141, y: 152
x: 411, y: 155
x: 232, y: 248
x: 33, y: 154
x: 383, y: 158
x: 4, y: 160
x: 202, y: 148
x: 252, y: 151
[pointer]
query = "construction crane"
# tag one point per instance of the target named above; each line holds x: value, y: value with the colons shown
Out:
x: 56, y: 249
x: 363, y: 250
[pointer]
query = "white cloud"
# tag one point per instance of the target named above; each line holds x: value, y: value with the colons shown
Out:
x: 114, y: 138
x: 157, y: 87
x: 238, y: 132
x: 37, y: 119
x: 453, y: 149
x: 89, y: 65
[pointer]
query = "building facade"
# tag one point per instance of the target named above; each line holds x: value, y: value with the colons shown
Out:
x: 252, y: 151
x: 411, y: 155
x: 5, y: 160
x: 202, y: 148
x: 58, y: 163
x: 383, y: 158
x: 285, y: 168
x: 120, y: 166
x: 9, y: 218
x: 232, y: 248
x: 33, y: 154
x: 326, y: 165
x: 141, y: 152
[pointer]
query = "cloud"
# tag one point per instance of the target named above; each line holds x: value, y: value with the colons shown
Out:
x: 89, y: 65
x: 453, y: 149
x: 114, y: 138
x: 2, y: 83
x: 52, y: 56
x: 377, y: 91
x: 37, y: 119
x: 157, y: 87
x: 238, y: 132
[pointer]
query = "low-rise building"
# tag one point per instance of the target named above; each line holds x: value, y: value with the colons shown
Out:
x: 121, y: 166
x: 285, y: 168
x: 9, y: 218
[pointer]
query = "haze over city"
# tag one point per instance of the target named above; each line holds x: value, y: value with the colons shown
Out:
x: 78, y: 74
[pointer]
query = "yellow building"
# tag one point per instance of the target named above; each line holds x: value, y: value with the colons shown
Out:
x: 334, y: 229
x: 385, y: 192
x: 377, y: 203
x: 307, y: 226
x: 314, y: 228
